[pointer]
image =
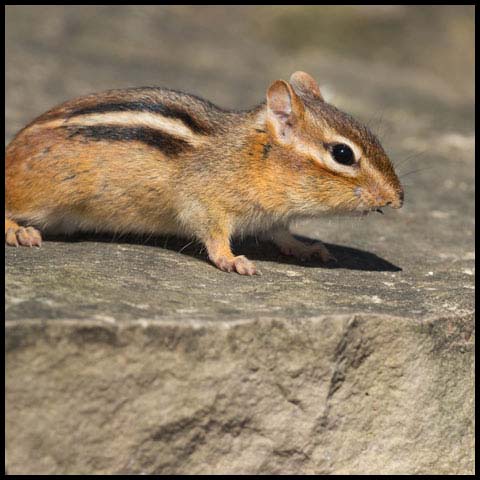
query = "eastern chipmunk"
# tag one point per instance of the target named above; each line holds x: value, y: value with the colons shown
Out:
x: 157, y: 161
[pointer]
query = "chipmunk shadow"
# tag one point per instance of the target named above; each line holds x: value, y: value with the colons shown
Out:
x: 347, y: 257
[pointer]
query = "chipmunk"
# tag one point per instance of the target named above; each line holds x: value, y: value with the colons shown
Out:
x: 157, y: 161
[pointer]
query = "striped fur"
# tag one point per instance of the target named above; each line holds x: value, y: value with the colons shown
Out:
x: 169, y: 129
x: 154, y: 108
x: 149, y: 136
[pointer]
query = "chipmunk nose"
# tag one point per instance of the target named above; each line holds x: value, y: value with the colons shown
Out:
x: 390, y: 199
x: 398, y: 201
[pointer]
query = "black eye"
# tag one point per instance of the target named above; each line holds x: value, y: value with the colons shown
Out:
x: 343, y: 154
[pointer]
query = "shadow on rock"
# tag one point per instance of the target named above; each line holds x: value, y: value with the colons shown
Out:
x: 347, y: 257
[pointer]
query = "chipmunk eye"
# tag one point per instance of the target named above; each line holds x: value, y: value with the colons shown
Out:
x: 343, y: 154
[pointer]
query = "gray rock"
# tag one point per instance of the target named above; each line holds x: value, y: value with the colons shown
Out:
x: 136, y: 356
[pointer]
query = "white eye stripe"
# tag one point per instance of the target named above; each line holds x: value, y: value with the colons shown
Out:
x: 324, y: 157
x: 333, y: 165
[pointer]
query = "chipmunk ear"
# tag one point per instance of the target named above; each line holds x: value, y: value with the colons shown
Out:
x: 304, y: 84
x: 284, y: 108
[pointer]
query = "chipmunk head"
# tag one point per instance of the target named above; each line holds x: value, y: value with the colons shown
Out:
x: 342, y: 164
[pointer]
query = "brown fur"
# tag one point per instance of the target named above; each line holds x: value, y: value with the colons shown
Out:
x: 235, y: 172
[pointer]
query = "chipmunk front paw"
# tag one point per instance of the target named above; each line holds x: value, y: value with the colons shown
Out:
x: 240, y: 264
x: 305, y: 252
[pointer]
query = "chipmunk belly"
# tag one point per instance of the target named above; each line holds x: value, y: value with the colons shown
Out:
x: 257, y: 220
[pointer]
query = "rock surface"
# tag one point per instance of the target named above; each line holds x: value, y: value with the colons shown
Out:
x: 135, y: 356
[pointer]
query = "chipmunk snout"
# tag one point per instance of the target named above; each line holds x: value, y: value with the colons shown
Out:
x: 393, y: 199
x: 398, y: 202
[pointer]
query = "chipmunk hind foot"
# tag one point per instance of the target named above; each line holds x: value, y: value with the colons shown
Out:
x: 16, y: 235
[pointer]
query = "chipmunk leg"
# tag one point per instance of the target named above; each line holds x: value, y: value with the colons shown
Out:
x: 16, y: 235
x: 289, y: 245
x: 220, y: 253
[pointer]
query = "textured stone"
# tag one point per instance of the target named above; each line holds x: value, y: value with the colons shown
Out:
x: 138, y: 356
x: 333, y: 394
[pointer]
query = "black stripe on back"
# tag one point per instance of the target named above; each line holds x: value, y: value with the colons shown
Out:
x: 168, y: 144
x: 170, y: 112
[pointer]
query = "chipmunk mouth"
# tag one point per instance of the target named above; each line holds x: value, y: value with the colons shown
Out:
x: 357, y: 213
x: 361, y: 211
x: 364, y: 213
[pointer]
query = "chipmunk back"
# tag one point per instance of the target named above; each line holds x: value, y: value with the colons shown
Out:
x: 157, y: 161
